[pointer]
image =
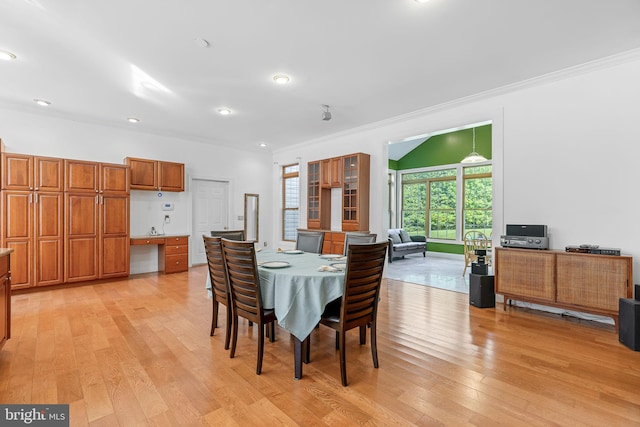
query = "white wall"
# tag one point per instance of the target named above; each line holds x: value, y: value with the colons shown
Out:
x: 246, y: 172
x: 565, y: 149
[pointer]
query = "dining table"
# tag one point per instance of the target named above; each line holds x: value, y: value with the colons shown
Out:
x: 298, y: 285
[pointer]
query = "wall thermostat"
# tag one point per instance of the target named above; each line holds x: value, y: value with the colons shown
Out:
x: 167, y: 206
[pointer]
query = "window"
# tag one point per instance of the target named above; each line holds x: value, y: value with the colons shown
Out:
x: 429, y: 203
x: 478, y: 199
x: 290, y: 201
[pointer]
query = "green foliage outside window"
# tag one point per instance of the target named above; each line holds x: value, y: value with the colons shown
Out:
x: 429, y: 202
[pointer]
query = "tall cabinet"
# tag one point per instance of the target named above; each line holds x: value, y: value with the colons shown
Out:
x: 32, y: 219
x: 96, y: 220
x: 350, y: 173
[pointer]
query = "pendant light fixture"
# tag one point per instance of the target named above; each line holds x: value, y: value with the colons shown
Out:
x: 473, y: 157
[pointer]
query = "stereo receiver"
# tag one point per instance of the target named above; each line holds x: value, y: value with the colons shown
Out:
x: 524, y: 242
x: 531, y: 236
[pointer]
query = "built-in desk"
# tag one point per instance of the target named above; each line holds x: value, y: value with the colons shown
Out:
x: 173, y: 251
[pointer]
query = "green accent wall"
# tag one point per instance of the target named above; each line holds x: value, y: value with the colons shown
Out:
x: 448, y: 148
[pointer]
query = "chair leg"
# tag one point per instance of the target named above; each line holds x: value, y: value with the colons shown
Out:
x: 261, y: 326
x: 306, y: 348
x: 272, y: 331
x: 363, y: 334
x: 374, y: 345
x: 337, y: 340
x: 234, y: 337
x: 343, y: 358
x: 214, y: 315
x: 227, y: 334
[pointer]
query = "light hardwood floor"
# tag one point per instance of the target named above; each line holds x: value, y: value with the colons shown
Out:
x: 138, y: 352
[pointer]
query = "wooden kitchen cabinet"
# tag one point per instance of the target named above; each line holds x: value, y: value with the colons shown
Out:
x: 174, y: 255
x: 331, y: 172
x: 155, y: 175
x: 5, y: 296
x: 25, y: 172
x: 97, y: 221
x: 333, y: 242
x: 32, y: 221
x: 66, y: 220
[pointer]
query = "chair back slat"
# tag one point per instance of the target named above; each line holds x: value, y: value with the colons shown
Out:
x: 243, y: 278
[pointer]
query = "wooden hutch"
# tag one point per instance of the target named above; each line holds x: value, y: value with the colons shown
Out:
x: 350, y: 173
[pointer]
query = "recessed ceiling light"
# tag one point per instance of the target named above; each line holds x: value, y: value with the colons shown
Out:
x: 201, y: 43
x: 421, y: 1
x: 281, y: 79
x: 133, y: 120
x: 6, y: 55
x: 42, y: 102
x: 262, y: 144
x: 224, y: 111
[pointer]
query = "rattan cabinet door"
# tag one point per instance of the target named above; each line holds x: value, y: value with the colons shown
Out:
x: 526, y: 273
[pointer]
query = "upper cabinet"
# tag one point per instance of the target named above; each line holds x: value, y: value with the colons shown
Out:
x: 331, y: 172
x: 93, y: 177
x: 26, y: 173
x: 155, y: 175
x: 349, y: 173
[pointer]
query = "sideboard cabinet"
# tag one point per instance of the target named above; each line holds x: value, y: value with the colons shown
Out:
x: 575, y: 281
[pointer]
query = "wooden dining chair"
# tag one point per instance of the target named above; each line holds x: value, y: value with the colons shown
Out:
x: 219, y: 287
x: 310, y: 241
x: 472, y: 241
x: 244, y: 290
x: 228, y: 234
x: 359, y: 304
x: 358, y: 238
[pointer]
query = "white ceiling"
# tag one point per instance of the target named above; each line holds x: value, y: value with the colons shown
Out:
x: 101, y: 61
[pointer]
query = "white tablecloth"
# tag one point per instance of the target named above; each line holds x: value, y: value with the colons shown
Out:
x: 298, y: 293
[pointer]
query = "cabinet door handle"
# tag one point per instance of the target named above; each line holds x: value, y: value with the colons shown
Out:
x: 37, y: 188
x: 147, y: 241
x: 30, y: 198
x: 36, y: 198
x: 177, y: 247
x: 96, y: 200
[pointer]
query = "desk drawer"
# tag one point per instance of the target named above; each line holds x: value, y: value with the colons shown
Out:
x: 175, y: 263
x: 149, y: 241
x: 173, y: 249
x: 181, y: 240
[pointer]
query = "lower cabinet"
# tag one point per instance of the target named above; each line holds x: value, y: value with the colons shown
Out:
x: 175, y: 254
x: 333, y: 242
x: 173, y: 251
x: 97, y: 239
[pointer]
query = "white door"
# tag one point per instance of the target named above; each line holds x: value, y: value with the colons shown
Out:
x: 210, y: 212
